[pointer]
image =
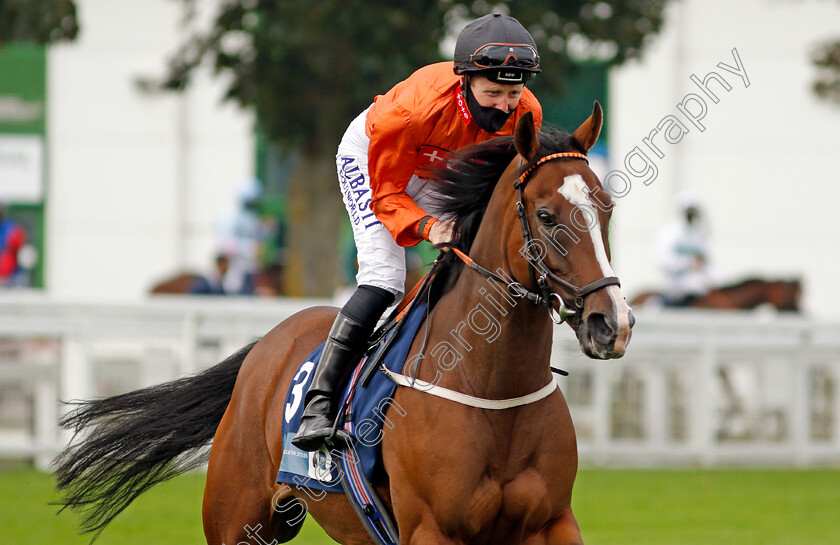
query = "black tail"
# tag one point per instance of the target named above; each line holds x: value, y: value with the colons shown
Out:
x: 131, y: 442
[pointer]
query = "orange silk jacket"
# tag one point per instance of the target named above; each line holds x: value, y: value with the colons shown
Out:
x: 421, y: 119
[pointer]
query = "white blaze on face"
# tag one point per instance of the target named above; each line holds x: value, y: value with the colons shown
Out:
x: 575, y: 190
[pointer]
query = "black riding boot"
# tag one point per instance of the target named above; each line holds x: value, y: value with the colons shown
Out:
x: 347, y: 339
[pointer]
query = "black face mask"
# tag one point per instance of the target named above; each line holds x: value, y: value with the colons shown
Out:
x: 489, y: 119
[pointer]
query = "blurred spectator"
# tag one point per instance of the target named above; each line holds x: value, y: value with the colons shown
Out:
x: 211, y: 284
x: 683, y: 254
x: 215, y: 282
x: 241, y: 234
x: 12, y: 244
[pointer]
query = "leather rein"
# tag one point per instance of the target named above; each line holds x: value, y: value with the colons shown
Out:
x: 540, y: 273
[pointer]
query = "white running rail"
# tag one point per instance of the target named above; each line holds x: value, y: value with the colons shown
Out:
x: 695, y: 388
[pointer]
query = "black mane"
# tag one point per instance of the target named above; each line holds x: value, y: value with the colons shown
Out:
x: 465, y: 184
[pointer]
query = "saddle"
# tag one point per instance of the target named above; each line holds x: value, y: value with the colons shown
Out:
x: 364, y: 402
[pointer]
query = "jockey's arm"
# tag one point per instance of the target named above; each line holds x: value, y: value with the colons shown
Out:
x: 392, y: 160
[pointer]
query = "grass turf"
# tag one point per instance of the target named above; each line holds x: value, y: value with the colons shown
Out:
x: 720, y: 507
x: 613, y: 507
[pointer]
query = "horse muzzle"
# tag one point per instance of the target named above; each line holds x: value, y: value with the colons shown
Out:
x: 605, y: 333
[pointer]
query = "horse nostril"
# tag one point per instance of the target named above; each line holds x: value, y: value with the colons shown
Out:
x: 602, y: 328
x: 632, y: 320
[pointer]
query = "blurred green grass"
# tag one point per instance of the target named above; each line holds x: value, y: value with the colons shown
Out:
x: 169, y: 514
x: 714, y: 507
x: 613, y: 507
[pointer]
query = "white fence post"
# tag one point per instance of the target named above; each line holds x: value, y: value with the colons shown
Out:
x: 46, y: 418
x: 601, y: 412
x: 800, y: 432
x: 655, y: 380
x: 704, y: 404
x: 76, y: 376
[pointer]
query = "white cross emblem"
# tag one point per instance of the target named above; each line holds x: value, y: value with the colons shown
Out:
x: 434, y: 156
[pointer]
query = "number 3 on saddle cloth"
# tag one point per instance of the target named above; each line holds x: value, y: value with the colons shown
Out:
x: 350, y: 471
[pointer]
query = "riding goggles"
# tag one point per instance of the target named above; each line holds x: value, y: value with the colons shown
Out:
x: 513, y: 55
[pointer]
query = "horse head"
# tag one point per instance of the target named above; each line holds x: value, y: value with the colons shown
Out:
x: 565, y: 213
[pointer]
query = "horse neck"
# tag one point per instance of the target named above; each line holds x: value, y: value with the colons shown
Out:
x: 505, y: 343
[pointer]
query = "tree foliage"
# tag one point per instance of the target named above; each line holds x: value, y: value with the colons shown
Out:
x: 308, y: 67
x: 38, y: 21
x: 827, y: 59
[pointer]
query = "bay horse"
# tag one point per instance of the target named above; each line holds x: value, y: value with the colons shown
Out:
x: 783, y: 295
x: 453, y: 473
x: 268, y: 282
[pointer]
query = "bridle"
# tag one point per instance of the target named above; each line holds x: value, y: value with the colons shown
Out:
x: 539, y: 272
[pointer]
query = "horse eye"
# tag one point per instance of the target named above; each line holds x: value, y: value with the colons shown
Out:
x: 545, y: 217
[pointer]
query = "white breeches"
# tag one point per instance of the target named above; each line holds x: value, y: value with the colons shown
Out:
x: 381, y: 259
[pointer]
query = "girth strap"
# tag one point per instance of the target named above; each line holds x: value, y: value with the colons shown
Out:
x: 464, y: 399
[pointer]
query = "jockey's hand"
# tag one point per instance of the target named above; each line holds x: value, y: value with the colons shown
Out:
x: 441, y: 232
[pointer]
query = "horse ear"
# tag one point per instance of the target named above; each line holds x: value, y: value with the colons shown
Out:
x: 587, y: 134
x: 525, y: 137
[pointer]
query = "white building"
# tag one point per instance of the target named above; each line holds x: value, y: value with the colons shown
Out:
x: 137, y: 179
x: 764, y: 163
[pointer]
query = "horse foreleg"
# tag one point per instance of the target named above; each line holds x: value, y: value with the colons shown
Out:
x: 426, y: 535
x: 419, y: 524
x: 335, y: 515
x: 563, y: 530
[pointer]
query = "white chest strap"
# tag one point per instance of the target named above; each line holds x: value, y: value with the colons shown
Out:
x: 464, y: 399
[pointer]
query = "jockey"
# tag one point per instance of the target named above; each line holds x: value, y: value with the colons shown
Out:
x: 684, y: 256
x: 438, y: 109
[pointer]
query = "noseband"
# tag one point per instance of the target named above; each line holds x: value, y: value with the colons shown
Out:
x: 538, y: 270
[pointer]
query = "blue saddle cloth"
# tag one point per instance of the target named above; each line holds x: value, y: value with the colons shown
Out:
x: 320, y: 470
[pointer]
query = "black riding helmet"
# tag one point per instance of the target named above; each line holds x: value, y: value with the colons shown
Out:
x: 497, y: 47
